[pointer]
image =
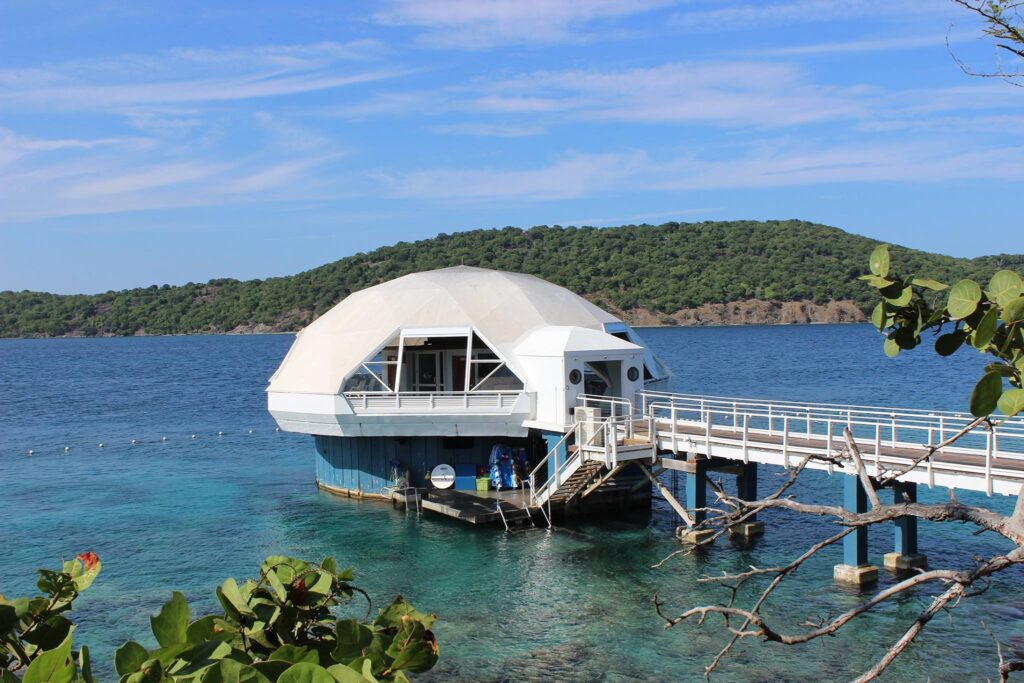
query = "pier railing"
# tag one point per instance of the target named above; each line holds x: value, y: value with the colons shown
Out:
x: 426, y: 403
x: 888, y: 437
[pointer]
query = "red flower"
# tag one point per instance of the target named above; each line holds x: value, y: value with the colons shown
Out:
x: 89, y: 559
x: 298, y: 590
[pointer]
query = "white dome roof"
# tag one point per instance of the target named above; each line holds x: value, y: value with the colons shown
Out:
x: 502, y: 307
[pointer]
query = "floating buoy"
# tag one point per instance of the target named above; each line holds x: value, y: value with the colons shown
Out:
x: 163, y: 438
x: 193, y: 436
x: 30, y: 452
x: 277, y: 429
x: 250, y: 431
x: 133, y: 442
x: 220, y: 433
x: 101, y: 445
x: 67, y: 448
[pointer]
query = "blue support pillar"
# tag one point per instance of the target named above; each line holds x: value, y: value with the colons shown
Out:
x: 855, y: 569
x: 696, y: 497
x: 855, y: 545
x: 697, y: 489
x: 551, y: 439
x: 746, y: 489
x: 905, y: 556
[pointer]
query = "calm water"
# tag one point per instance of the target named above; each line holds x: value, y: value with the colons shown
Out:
x: 571, y: 605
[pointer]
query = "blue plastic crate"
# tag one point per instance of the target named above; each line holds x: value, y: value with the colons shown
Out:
x: 465, y: 483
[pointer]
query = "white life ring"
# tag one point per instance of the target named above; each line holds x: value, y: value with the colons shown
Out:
x: 443, y: 476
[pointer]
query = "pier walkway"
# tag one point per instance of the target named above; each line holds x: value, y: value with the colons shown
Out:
x: 676, y: 431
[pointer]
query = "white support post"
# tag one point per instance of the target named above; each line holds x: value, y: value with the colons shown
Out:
x: 808, y: 409
x: 707, y: 435
x: 828, y: 443
x: 675, y: 441
x: 746, y: 456
x: 785, y: 441
x: 398, y: 368
x: 769, y: 419
x: 469, y: 360
x: 878, y: 447
x: 893, y: 416
x: 988, y: 462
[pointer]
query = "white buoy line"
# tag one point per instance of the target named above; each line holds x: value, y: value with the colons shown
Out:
x: 195, y: 436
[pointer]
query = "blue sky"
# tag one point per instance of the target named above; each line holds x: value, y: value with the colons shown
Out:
x: 153, y: 142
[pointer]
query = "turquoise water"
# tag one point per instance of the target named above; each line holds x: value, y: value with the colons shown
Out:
x: 574, y: 604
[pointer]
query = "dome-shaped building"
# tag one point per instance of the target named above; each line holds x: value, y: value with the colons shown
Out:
x: 441, y: 366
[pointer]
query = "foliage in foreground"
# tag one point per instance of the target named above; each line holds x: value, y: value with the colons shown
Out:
x: 990, y: 319
x: 279, y: 627
x: 663, y: 268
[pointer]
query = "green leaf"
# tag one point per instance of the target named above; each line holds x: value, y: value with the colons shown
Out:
x: 879, y: 317
x: 947, y: 344
x: 1004, y: 287
x: 878, y: 282
x: 933, y: 285
x: 986, y: 329
x: 903, y: 298
x: 1011, y: 402
x: 306, y: 673
x: 295, y: 654
x: 230, y: 671
x: 963, y: 299
x: 129, y: 658
x: 391, y: 616
x: 1013, y: 311
x: 171, y: 625
x: 150, y: 672
x: 879, y: 260
x: 413, y: 648
x: 352, y: 639
x: 891, y: 348
x: 203, y: 628
x: 986, y: 394
x: 53, y: 666
x: 85, y: 665
x: 344, y: 674
x: 232, y: 601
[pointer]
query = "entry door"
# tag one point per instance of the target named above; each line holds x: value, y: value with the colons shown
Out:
x: 428, y: 371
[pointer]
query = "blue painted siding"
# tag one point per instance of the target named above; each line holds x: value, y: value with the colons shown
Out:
x: 363, y: 463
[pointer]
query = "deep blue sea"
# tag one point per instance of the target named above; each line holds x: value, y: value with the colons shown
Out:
x: 573, y: 604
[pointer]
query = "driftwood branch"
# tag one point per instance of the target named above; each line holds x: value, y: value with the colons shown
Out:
x: 956, y: 584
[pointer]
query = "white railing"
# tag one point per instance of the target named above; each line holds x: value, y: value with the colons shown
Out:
x: 432, y: 402
x: 790, y: 428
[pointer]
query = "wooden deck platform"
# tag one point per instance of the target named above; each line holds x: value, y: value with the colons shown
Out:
x: 476, y: 507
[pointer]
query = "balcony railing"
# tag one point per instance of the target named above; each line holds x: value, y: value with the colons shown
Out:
x: 433, y: 403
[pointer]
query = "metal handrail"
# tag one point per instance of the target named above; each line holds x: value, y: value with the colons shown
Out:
x: 988, y: 447
x: 887, y: 412
x: 578, y: 455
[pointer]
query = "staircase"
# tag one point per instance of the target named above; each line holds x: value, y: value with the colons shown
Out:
x: 577, y: 482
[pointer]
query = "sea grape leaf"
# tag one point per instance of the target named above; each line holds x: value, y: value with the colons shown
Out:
x: 963, y: 299
x: 879, y: 260
x: 986, y: 394
x: 1011, y: 402
x: 170, y: 626
x: 53, y: 666
x: 129, y: 657
x: 1004, y: 287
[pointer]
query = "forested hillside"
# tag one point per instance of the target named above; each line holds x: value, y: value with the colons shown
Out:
x: 663, y: 271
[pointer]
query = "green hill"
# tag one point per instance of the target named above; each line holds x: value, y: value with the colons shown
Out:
x: 660, y: 271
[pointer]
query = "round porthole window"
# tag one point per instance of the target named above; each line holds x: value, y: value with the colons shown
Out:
x: 632, y: 374
x: 575, y: 377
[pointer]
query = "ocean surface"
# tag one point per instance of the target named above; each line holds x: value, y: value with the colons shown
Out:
x: 573, y: 604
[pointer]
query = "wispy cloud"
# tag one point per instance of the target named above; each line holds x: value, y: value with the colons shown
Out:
x: 576, y: 175
x: 727, y: 15
x: 472, y: 24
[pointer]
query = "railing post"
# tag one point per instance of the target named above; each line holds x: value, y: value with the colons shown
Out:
x: 785, y: 440
x: 878, y: 447
x: 769, y: 419
x: 707, y: 435
x: 828, y: 443
x: 988, y: 462
x: 808, y: 409
x: 893, y: 416
x: 746, y: 456
x: 675, y: 443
